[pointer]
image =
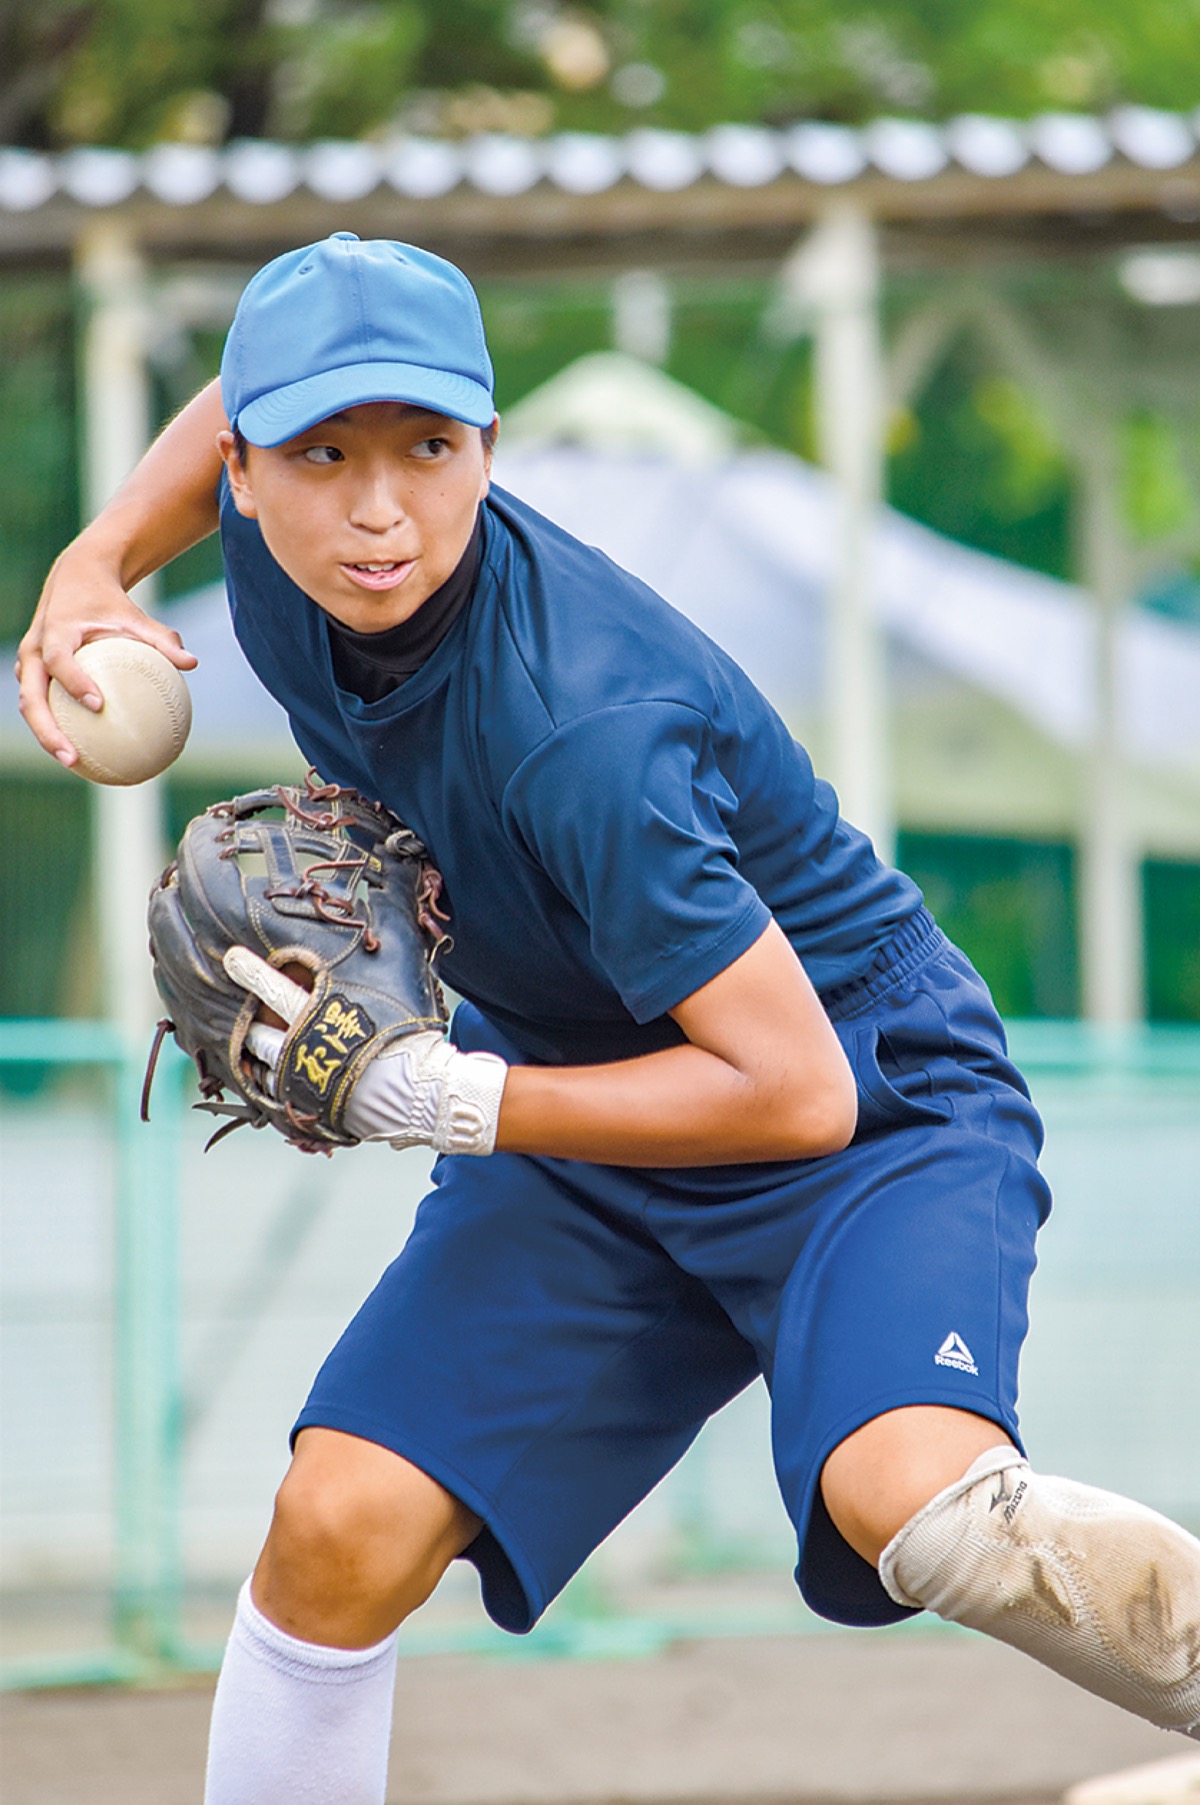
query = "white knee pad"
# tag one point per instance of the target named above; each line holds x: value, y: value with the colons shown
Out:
x: 1103, y: 1590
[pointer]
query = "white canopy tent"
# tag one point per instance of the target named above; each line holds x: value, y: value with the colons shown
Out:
x: 988, y: 665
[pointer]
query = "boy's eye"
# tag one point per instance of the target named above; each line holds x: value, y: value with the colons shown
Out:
x: 431, y: 448
x: 322, y: 454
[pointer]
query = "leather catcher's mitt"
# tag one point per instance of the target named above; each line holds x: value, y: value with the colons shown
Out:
x: 316, y: 877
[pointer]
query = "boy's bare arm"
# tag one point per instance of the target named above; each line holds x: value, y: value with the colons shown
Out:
x: 166, y: 505
x: 763, y: 1077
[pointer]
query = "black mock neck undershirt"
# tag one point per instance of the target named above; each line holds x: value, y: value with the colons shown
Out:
x: 372, y: 665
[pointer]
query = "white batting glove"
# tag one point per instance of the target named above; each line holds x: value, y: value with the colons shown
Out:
x: 424, y: 1093
x: 421, y: 1093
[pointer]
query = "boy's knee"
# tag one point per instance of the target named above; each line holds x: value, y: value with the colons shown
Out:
x: 331, y: 1531
x: 358, y: 1541
x: 885, y: 1472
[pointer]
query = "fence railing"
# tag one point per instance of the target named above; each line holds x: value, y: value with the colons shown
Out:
x: 144, y: 1335
x: 161, y: 1314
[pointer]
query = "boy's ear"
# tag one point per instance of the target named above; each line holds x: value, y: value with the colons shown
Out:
x: 491, y: 434
x: 238, y: 474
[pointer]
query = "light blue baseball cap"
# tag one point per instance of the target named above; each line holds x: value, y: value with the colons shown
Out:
x: 351, y: 320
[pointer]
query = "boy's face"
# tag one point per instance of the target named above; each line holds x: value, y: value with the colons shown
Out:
x: 370, y: 511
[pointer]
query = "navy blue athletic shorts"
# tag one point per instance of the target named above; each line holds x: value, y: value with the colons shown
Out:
x: 554, y: 1334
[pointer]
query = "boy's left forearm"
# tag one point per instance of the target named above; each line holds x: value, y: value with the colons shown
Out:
x: 683, y: 1106
x: 762, y: 1077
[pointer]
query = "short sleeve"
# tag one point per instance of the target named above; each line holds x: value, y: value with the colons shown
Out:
x: 629, y: 815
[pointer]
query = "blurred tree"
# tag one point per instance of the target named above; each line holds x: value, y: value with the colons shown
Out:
x: 977, y: 460
x: 127, y: 72
x: 1008, y: 904
x: 39, y: 511
x: 1172, y: 901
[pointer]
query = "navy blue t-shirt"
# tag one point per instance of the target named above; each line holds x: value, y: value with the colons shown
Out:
x: 615, y: 809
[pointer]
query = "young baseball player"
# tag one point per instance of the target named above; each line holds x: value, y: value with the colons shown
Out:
x: 722, y: 1100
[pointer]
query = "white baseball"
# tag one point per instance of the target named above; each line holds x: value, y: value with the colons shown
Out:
x: 146, y: 716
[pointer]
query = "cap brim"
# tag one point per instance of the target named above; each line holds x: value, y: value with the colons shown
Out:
x: 272, y: 419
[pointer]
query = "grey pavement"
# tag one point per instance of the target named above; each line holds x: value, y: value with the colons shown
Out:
x: 875, y: 1718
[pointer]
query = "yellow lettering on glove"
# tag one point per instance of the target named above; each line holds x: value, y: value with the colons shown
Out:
x: 321, y: 1055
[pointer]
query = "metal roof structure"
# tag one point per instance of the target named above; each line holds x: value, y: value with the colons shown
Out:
x: 1055, y: 182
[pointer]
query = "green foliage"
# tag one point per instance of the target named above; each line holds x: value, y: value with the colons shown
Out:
x: 43, y: 892
x: 534, y: 332
x: 1008, y: 904
x: 1033, y: 468
x: 979, y: 464
x: 129, y: 71
x: 720, y: 349
x: 779, y: 60
x: 352, y: 70
x: 47, y: 951
x: 137, y: 70
x: 478, y: 41
x: 1158, y: 498
x: 1172, y: 903
x: 717, y: 348
x: 40, y: 503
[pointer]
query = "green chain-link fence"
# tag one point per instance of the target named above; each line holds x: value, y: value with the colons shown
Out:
x: 163, y: 1312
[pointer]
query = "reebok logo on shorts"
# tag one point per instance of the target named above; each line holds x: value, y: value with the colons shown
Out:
x: 955, y: 1352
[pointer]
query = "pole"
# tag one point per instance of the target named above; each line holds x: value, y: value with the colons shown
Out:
x: 127, y: 856
x: 834, y: 278
x: 641, y: 301
x: 1110, y: 879
x: 1082, y: 388
x: 116, y: 394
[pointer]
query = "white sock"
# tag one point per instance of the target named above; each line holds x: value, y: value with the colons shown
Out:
x: 297, y: 1724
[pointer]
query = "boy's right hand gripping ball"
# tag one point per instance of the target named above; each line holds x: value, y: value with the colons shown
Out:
x: 325, y: 887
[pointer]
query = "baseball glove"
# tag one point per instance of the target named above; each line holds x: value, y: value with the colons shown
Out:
x: 325, y: 886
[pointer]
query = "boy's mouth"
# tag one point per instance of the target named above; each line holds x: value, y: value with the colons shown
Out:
x: 378, y: 575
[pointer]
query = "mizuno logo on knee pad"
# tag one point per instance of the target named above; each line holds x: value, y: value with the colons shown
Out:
x: 1010, y: 1500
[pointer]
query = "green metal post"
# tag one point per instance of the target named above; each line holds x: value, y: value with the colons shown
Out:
x: 146, y: 1365
x: 148, y: 1387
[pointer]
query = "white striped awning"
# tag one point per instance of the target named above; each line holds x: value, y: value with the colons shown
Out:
x: 258, y: 172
